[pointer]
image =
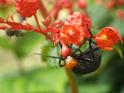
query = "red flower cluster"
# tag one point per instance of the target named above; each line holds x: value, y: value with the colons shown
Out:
x: 75, y: 30
x: 27, y: 8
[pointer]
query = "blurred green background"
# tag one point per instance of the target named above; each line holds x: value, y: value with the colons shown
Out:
x: 22, y: 71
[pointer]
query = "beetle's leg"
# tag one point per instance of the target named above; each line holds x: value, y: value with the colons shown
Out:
x: 90, y: 42
x: 76, y: 49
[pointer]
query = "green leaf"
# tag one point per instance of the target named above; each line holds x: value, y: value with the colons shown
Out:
x: 46, y: 49
x: 24, y: 45
x: 119, y: 51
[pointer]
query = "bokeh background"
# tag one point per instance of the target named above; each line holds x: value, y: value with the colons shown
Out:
x: 23, y: 71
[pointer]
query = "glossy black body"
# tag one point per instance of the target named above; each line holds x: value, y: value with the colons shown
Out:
x: 88, y: 61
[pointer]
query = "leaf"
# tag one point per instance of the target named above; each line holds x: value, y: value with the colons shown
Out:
x: 27, y: 43
x: 46, y: 49
x: 119, y: 51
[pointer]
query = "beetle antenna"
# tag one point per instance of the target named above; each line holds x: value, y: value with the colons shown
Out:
x: 50, y: 56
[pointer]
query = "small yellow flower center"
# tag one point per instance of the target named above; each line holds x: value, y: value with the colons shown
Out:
x: 104, y: 37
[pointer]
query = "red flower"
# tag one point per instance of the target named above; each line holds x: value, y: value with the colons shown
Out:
x: 76, y: 28
x: 82, y: 20
x: 72, y: 35
x: 27, y: 8
x: 107, y: 38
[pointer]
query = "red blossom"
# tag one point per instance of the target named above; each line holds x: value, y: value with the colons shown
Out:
x: 75, y: 29
x: 82, y: 20
x: 27, y: 8
x: 72, y: 35
x: 107, y: 38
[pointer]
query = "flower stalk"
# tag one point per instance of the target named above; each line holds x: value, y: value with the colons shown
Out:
x: 72, y: 81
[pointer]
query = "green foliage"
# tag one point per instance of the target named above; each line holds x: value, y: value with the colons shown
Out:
x: 45, y: 80
x: 46, y: 50
x: 5, y: 43
x: 27, y: 43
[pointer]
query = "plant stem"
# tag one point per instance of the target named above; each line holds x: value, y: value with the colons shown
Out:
x: 43, y: 10
x: 72, y: 82
x: 41, y: 31
x: 38, y: 24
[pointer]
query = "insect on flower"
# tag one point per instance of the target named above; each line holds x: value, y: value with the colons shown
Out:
x: 82, y: 62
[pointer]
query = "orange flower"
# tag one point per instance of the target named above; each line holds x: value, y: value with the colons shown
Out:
x: 107, y: 38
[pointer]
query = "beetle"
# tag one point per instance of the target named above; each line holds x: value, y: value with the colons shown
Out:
x: 85, y: 62
x: 82, y: 62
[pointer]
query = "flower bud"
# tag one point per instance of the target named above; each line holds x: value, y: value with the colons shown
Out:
x: 65, y: 51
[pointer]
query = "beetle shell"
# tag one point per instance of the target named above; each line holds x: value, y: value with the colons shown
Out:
x: 83, y: 66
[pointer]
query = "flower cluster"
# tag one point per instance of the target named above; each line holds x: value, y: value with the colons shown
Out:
x: 27, y: 8
x: 75, y: 30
